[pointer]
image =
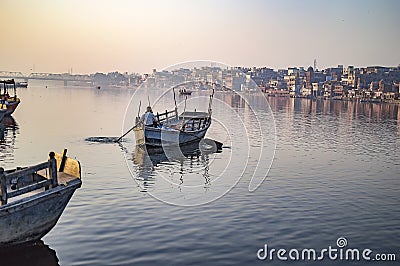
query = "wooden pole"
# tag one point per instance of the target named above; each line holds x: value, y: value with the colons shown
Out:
x: 183, y: 117
x: 138, y: 113
x: 173, y: 90
x: 210, y: 103
x: 64, y: 158
x: 15, y: 91
x: 53, y: 169
x: 3, y: 187
x: 176, y: 107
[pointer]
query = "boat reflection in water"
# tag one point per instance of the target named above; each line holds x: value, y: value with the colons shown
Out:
x: 8, y: 133
x: 8, y: 126
x: 174, y: 162
x: 33, y: 254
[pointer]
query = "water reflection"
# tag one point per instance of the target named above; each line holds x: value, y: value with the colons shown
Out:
x: 8, y: 133
x: 350, y: 111
x: 33, y: 254
x: 179, y: 164
x: 372, y: 111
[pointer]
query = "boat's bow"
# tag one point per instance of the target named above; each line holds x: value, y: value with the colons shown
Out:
x: 33, y: 198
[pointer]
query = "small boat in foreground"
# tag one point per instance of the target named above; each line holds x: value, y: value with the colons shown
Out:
x: 5, y: 99
x: 173, y: 129
x: 33, y: 198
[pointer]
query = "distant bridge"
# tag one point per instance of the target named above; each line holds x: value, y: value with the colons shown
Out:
x: 46, y: 76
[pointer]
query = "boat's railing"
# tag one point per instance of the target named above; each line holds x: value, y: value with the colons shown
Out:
x: 7, y: 178
x: 5, y: 87
x: 167, y: 115
x: 196, y: 123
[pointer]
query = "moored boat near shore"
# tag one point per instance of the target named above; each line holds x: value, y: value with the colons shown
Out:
x: 33, y: 198
x: 21, y: 84
x: 5, y: 99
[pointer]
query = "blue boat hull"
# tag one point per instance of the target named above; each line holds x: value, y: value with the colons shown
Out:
x: 161, y: 137
x: 29, y: 219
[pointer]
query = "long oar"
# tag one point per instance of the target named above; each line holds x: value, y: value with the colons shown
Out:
x: 127, y: 132
x: 140, y: 104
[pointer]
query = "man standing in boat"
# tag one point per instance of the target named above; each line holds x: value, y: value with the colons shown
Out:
x: 148, y: 118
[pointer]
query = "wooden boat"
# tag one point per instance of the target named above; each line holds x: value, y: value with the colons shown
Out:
x: 33, y: 198
x: 185, y: 92
x: 5, y: 98
x: 21, y: 84
x: 174, y: 129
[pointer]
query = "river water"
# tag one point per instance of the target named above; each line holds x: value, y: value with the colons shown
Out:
x: 335, y: 173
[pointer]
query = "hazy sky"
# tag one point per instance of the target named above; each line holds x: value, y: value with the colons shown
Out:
x: 137, y: 36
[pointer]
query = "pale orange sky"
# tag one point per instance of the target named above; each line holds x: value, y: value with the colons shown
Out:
x: 137, y: 36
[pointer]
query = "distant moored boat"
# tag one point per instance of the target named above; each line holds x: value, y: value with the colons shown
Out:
x: 21, y: 84
x: 185, y: 92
